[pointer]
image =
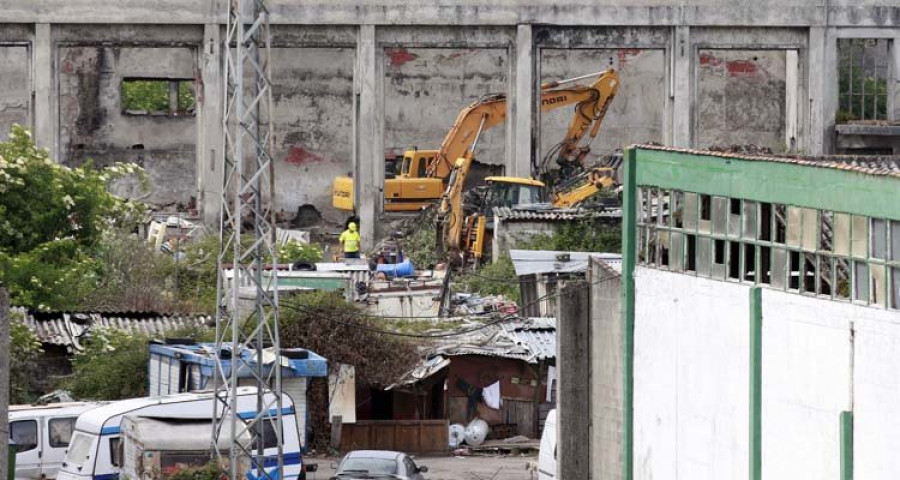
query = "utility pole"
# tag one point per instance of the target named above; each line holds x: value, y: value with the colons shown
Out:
x: 4, y: 383
x: 247, y: 242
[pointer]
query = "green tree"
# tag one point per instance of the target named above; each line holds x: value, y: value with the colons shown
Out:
x: 51, y: 220
x: 24, y: 349
x: 112, y: 366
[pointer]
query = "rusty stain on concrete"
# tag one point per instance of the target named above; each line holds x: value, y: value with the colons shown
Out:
x: 399, y: 56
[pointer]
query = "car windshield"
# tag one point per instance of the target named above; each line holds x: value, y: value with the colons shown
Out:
x: 369, y: 465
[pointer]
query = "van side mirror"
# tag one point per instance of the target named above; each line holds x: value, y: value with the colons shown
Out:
x: 422, y: 469
x: 311, y: 467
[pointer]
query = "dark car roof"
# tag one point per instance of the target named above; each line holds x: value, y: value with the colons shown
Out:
x: 386, y: 454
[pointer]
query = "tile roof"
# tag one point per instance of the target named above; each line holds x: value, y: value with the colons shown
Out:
x: 538, y: 214
x: 68, y: 329
x: 887, y: 166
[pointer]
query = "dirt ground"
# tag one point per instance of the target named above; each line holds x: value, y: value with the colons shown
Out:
x: 511, y: 467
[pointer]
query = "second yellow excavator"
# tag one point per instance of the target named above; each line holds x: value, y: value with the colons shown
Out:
x: 464, y: 216
x: 425, y: 174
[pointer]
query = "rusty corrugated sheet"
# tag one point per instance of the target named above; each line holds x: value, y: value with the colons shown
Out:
x: 68, y: 329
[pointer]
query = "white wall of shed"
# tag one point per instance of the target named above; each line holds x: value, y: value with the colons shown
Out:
x: 805, y: 384
x: 691, y: 377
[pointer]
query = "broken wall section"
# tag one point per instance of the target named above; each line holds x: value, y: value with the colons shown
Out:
x: 741, y: 98
x: 96, y: 125
x: 426, y: 88
x: 312, y: 91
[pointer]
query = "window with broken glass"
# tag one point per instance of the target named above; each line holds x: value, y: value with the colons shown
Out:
x: 835, y: 255
x: 159, y: 97
x: 863, y: 77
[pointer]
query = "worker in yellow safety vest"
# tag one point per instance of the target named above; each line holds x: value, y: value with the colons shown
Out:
x: 350, y: 241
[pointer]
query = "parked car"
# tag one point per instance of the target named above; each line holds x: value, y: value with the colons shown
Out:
x: 372, y: 464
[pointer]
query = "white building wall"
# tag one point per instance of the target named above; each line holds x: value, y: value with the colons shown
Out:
x: 819, y: 358
x: 691, y: 377
x: 806, y: 384
x: 876, y: 394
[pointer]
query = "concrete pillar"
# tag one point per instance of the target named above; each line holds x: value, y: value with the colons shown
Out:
x: 792, y: 91
x: 4, y: 383
x: 894, y: 82
x: 682, y: 93
x: 45, y: 111
x: 210, y: 135
x: 521, y: 107
x: 607, y: 396
x: 369, y: 127
x: 815, y: 142
x: 573, y: 361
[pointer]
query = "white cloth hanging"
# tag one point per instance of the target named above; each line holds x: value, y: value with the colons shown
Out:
x: 491, y: 395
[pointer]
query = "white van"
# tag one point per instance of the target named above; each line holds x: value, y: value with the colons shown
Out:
x: 42, y: 434
x: 547, y: 452
x: 94, y: 452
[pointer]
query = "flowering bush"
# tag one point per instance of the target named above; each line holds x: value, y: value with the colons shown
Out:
x: 51, y: 218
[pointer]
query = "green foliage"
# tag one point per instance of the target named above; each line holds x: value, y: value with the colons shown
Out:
x: 51, y: 219
x: 24, y: 349
x: 147, y: 95
x: 186, y: 98
x: 497, y: 278
x: 856, y: 106
x: 210, y: 471
x: 583, y: 236
x: 292, y: 252
x: 112, y: 366
x: 419, y: 246
x: 131, y: 276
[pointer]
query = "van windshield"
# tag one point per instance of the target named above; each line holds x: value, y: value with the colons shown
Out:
x: 80, y: 448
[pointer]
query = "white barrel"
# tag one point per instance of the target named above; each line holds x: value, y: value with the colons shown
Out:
x: 457, y: 435
x: 476, y: 432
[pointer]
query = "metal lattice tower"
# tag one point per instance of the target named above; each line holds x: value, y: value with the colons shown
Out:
x: 247, y: 242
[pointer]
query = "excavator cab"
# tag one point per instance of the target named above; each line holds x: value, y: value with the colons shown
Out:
x: 415, y: 163
x: 512, y: 191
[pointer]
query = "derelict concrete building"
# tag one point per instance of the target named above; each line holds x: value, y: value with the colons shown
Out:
x: 354, y: 79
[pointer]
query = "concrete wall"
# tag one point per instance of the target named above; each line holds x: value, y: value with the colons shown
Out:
x: 691, y: 394
x: 741, y: 98
x: 425, y: 89
x: 606, y: 367
x: 819, y: 358
x: 93, y: 126
x: 448, y: 53
x: 15, y: 98
x: 313, y: 100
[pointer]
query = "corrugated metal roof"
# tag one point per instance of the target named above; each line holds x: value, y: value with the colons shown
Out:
x: 538, y: 214
x: 68, y: 329
x: 834, y: 162
x: 538, y: 334
x: 531, y: 262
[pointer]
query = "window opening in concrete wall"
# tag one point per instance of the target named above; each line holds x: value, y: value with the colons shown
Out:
x: 794, y: 272
x: 160, y: 97
x: 842, y: 279
x: 750, y: 262
x: 863, y: 73
x: 734, y: 260
x: 765, y: 221
x: 676, y: 204
x: 895, y: 287
x: 780, y: 214
x: 691, y: 253
x: 705, y: 207
x: 826, y: 270
x: 719, y: 252
x: 734, y: 206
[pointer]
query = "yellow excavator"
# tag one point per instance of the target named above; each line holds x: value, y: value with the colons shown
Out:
x: 424, y: 176
x: 464, y: 216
